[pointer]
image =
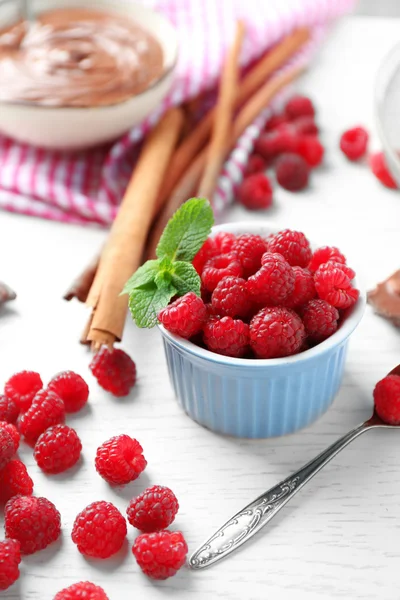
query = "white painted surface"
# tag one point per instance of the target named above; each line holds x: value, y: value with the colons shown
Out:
x: 339, y: 538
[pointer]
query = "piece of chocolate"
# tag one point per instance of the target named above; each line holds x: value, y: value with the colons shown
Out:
x: 385, y: 298
x: 6, y: 293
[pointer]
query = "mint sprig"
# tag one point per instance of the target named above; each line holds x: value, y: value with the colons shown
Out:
x: 153, y: 285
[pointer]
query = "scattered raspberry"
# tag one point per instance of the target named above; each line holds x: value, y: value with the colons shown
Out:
x: 320, y: 319
x: 120, y: 460
x: 325, y: 254
x: 387, y: 399
x: 219, y: 267
x: 72, y: 390
x: 273, y: 283
x: 293, y: 245
x: 154, y: 509
x: 305, y: 126
x: 334, y: 286
x: 227, y: 336
x: 13, y: 431
x: 230, y: 298
x: 274, y: 122
x: 255, y: 192
x: 84, y: 590
x: 14, y: 481
x: 9, y: 411
x: 378, y: 166
x: 304, y: 288
x: 207, y: 251
x: 10, y: 557
x: 114, y: 370
x: 276, y: 332
x: 99, y: 530
x: 185, y: 317
x: 292, y: 172
x: 57, y: 449
x: 6, y: 447
x: 299, y: 106
x: 270, y: 145
x: 224, y: 241
x: 22, y: 388
x: 353, y: 143
x: 249, y: 249
x: 46, y: 410
x: 310, y: 148
x: 34, y: 522
x: 160, y: 555
x: 255, y: 164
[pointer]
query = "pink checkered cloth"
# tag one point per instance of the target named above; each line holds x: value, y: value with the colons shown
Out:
x: 86, y: 187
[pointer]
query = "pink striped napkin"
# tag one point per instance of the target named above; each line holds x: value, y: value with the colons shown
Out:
x: 86, y: 187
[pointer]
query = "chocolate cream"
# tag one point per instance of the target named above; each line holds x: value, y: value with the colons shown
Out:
x: 77, y: 57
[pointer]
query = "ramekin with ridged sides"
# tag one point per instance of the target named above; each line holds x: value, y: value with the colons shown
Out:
x: 259, y: 398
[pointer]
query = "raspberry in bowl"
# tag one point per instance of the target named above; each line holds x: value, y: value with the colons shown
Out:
x: 270, y: 364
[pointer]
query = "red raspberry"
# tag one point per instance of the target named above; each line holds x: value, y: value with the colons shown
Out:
x: 334, y: 286
x: 219, y: 267
x: 57, y: 449
x: 255, y: 192
x: 270, y: 145
x: 292, y: 172
x: 207, y: 251
x: 299, y: 106
x: 6, y: 447
x: 34, y: 522
x: 154, y: 509
x: 185, y: 317
x: 13, y: 431
x: 274, y: 122
x: 255, y: 164
x: 161, y: 554
x: 320, y: 319
x: 249, y: 249
x: 84, y: 590
x: 230, y: 298
x: 227, y: 336
x: 10, y: 557
x: 387, y: 399
x: 9, y: 411
x: 273, y: 283
x: 310, y: 148
x: 46, y: 410
x: 345, y: 268
x: 224, y: 241
x: 120, y: 460
x: 322, y: 255
x: 304, y: 288
x: 99, y: 530
x: 14, y: 481
x: 305, y: 125
x: 276, y: 332
x: 114, y: 370
x: 22, y: 388
x: 378, y: 166
x: 353, y: 143
x: 293, y: 245
x: 72, y: 390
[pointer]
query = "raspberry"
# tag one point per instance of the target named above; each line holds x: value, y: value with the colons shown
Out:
x: 378, y: 166
x: 293, y: 245
x: 322, y: 255
x: 99, y: 530
x: 255, y: 192
x: 14, y: 481
x: 274, y: 122
x: 46, y: 410
x: 57, y: 449
x: 224, y: 241
x: 34, y: 522
x: 161, y: 554
x: 114, y: 370
x: 273, y: 283
x: 13, y: 431
x: 72, y: 390
x: 305, y: 125
x: 299, y: 106
x: 153, y: 510
x: 230, y: 298
x: 185, y: 317
x: 334, y: 286
x: 276, y: 332
x: 387, y: 399
x: 84, y: 590
x: 332, y: 263
x: 10, y: 557
x: 207, y: 251
x: 353, y: 143
x: 120, y: 460
x: 304, y: 288
x: 310, y: 148
x: 249, y: 249
x: 6, y: 447
x: 270, y: 145
x: 227, y: 336
x: 292, y: 172
x: 320, y: 319
x: 255, y: 164
x: 219, y: 267
x: 9, y: 411
x: 22, y: 388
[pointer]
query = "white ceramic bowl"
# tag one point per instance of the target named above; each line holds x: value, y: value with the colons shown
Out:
x: 74, y: 128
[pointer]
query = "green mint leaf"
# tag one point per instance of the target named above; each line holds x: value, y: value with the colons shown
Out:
x: 185, y: 278
x: 186, y: 231
x: 143, y: 276
x: 147, y: 301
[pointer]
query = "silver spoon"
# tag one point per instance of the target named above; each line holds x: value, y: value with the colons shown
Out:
x: 248, y: 521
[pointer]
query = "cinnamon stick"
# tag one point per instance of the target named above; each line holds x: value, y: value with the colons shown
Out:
x: 80, y: 287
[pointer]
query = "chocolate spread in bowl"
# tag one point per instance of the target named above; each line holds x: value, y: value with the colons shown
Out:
x: 77, y: 57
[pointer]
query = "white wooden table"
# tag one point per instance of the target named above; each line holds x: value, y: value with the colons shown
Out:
x: 339, y: 538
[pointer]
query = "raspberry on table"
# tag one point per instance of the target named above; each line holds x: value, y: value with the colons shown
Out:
x: 72, y: 389
x: 387, y: 399
x: 274, y: 122
x: 224, y: 241
x: 299, y: 106
x: 255, y: 164
x: 154, y: 509
x: 22, y: 388
x: 84, y: 590
x: 292, y: 172
x: 207, y: 251
x: 219, y: 267
x: 34, y: 522
x: 114, y: 370
x: 353, y: 142
x: 293, y: 245
x: 185, y: 317
x: 334, y: 286
x: 14, y: 481
x: 57, y: 449
x: 305, y: 125
x: 99, y: 530
x: 226, y: 336
x: 231, y: 298
x: 9, y: 411
x: 249, y: 249
x: 310, y: 148
x: 276, y: 332
x: 13, y: 431
x: 10, y: 557
x: 320, y: 319
x: 379, y: 168
x: 46, y: 410
x: 273, y: 283
x: 120, y: 460
x: 272, y: 144
x: 255, y: 192
x: 161, y: 554
x: 6, y: 447
x: 325, y: 254
x: 304, y: 288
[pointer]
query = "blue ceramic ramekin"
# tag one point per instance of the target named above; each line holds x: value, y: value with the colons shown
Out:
x: 252, y: 398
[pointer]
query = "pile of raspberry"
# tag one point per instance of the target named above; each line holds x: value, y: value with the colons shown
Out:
x: 263, y: 297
